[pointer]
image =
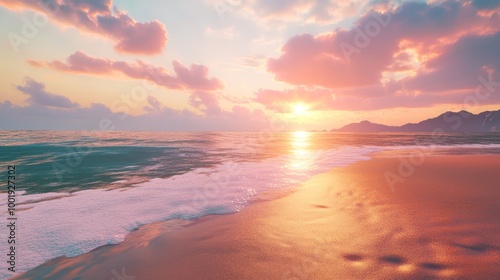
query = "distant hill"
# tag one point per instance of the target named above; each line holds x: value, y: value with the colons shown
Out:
x: 462, y: 121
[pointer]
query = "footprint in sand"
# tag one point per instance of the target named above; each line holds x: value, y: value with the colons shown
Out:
x: 353, y: 257
x: 387, y: 259
x: 392, y: 259
x: 321, y: 206
x: 396, y: 261
x: 432, y: 266
x: 477, y: 248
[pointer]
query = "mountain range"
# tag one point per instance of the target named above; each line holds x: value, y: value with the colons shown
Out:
x: 463, y: 121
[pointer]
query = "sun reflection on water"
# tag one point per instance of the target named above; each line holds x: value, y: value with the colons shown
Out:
x: 301, y: 156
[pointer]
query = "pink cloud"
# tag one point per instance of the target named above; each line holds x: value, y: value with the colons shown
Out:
x: 206, y: 102
x: 39, y: 96
x: 356, y: 57
x: 194, y: 77
x: 369, y: 66
x: 460, y: 65
x: 99, y: 17
x: 318, y: 12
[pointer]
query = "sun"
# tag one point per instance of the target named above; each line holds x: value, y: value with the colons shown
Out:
x: 300, y: 108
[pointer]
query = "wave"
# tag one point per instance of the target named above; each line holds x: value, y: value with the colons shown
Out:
x: 70, y: 224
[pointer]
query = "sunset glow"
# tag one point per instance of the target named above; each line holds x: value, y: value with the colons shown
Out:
x: 242, y: 64
x: 300, y: 108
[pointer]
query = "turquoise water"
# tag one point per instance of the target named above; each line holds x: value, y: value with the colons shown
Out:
x: 69, y: 161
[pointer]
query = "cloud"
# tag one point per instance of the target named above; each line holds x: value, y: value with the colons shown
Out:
x: 253, y: 61
x: 193, y: 78
x: 39, y: 96
x: 99, y: 117
x: 317, y: 99
x: 225, y: 33
x: 417, y: 55
x: 58, y: 112
x: 486, y: 4
x: 302, y: 11
x: 196, y: 77
x: 155, y: 107
x: 47, y: 110
x: 460, y: 65
x: 206, y: 102
x: 99, y: 17
x: 360, y: 55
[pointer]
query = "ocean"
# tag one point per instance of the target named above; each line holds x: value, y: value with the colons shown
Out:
x: 77, y: 190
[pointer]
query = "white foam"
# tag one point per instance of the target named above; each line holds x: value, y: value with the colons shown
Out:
x: 57, y: 224
x: 120, y: 182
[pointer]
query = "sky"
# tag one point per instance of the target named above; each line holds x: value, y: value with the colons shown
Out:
x: 244, y: 65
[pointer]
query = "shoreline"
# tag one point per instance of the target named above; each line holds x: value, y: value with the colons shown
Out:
x: 346, y: 222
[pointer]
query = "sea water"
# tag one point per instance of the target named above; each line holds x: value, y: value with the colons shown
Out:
x: 76, y: 191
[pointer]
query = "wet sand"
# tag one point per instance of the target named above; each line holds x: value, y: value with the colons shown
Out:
x: 441, y: 222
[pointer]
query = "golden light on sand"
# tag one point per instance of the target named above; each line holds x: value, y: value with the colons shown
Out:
x: 300, y: 108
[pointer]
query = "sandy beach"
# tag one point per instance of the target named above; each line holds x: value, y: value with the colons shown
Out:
x: 441, y: 222
x: 250, y: 140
